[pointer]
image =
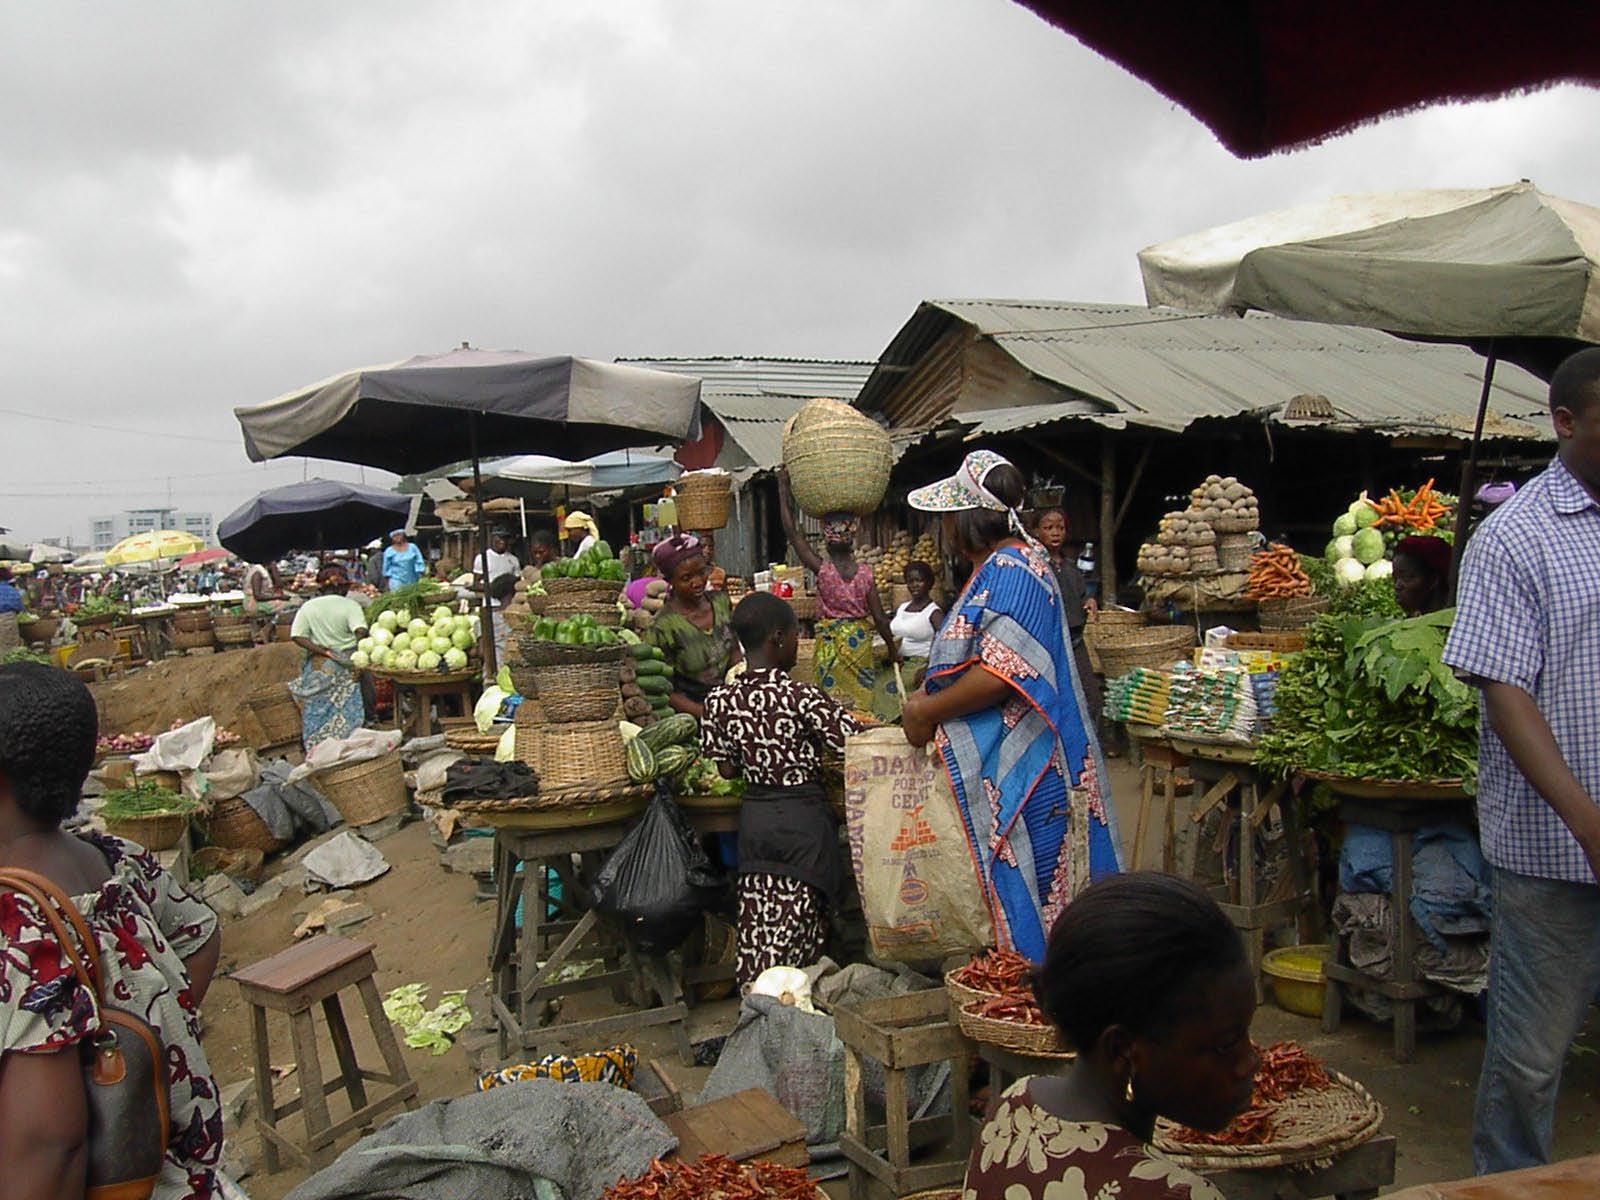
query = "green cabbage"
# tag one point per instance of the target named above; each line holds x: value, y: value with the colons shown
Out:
x: 1344, y: 525
x: 1368, y: 546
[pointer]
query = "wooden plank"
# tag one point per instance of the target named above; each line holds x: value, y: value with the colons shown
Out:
x: 1419, y: 990
x: 1214, y: 796
x: 1264, y: 806
x: 1141, y: 825
x: 749, y: 1124
x: 602, y: 1028
x: 292, y: 969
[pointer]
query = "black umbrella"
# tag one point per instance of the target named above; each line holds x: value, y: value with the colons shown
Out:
x: 437, y: 409
x: 314, y: 515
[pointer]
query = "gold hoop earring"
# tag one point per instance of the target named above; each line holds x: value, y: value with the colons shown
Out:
x: 1127, y: 1093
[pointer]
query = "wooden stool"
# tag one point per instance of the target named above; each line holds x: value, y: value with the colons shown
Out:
x: 292, y: 982
x: 1225, y: 771
x: 902, y: 1032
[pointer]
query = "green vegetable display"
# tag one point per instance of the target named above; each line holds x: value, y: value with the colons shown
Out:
x: 23, y: 654
x: 1371, y: 698
x: 144, y: 800
x: 414, y: 597
x: 99, y: 606
x: 597, y: 562
x: 581, y: 630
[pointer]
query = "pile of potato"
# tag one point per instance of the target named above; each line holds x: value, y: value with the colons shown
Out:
x: 1227, y: 505
x: 1186, y: 540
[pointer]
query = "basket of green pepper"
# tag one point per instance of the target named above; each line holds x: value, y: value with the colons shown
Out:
x: 593, y: 572
x: 147, y: 813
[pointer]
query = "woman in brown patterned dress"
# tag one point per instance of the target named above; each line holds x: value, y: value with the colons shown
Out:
x: 1149, y: 979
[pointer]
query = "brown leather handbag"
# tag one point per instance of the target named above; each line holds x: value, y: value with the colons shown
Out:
x: 124, y: 1062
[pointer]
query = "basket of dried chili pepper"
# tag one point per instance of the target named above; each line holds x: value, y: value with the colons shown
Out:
x: 1299, y: 1112
x: 1013, y: 1021
x: 989, y: 974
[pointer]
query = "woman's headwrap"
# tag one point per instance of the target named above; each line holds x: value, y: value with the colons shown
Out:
x: 582, y: 520
x: 839, y: 528
x: 965, y: 490
x: 669, y: 554
x: 1433, y: 553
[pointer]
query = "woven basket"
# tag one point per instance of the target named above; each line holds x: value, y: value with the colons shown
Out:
x: 604, y: 612
x: 1275, y: 643
x: 573, y: 692
x: 805, y: 607
x: 1150, y: 646
x: 1310, y: 1126
x: 703, y: 499
x: 1043, y: 1040
x: 1295, y: 613
x: 597, y: 590
x: 246, y: 864
x: 193, y: 622
x: 367, y: 791
x: 468, y: 740
x: 1233, y: 552
x: 196, y: 639
x: 805, y: 662
x: 961, y: 994
x: 234, y: 825
x: 536, y: 652
x: 235, y: 635
x: 230, y: 621
x: 572, y: 754
x: 41, y: 630
x: 276, y: 712
x: 838, y: 459
x: 153, y: 831
x: 1236, y: 524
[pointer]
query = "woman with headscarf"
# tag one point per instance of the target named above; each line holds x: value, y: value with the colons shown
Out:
x: 403, y: 563
x: 582, y: 525
x: 693, y: 630
x: 1003, y: 706
x: 1422, y: 575
x: 849, y: 612
x: 327, y: 628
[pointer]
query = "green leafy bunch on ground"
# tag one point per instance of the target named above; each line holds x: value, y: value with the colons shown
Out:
x: 1371, y: 698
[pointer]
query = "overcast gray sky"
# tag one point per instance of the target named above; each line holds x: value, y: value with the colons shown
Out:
x: 205, y: 205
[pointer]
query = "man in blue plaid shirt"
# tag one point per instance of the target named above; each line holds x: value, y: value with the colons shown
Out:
x: 1527, y: 632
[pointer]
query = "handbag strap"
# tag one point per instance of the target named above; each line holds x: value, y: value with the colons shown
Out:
x: 59, y: 912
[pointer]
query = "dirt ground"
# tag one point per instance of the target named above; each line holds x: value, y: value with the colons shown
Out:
x: 188, y: 687
x: 428, y: 926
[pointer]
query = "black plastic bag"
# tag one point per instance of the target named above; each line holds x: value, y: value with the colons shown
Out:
x: 658, y: 880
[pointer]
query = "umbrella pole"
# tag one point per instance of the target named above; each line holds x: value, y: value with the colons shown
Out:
x: 483, y: 548
x: 1469, y: 469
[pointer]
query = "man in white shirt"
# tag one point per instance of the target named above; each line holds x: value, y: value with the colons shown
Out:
x: 499, y: 566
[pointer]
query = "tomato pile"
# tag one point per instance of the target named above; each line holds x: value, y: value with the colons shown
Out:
x: 715, y: 1177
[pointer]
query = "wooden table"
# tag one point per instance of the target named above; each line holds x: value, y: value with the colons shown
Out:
x: 523, y: 990
x: 1575, y: 1179
x: 415, y: 697
x: 1159, y: 763
x: 1399, y: 815
x: 157, y: 634
x: 1228, y: 777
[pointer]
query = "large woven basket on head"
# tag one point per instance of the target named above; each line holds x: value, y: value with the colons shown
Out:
x: 1294, y: 613
x: 703, y: 499
x: 838, y: 459
x: 366, y: 791
x: 234, y: 825
x: 1122, y: 648
x: 805, y: 607
x: 572, y: 691
x: 571, y: 754
x: 153, y: 831
x: 276, y: 712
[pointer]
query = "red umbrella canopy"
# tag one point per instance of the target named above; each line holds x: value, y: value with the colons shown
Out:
x: 1271, y: 75
x: 201, y: 557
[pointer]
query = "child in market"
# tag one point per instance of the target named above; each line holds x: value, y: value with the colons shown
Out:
x: 774, y: 731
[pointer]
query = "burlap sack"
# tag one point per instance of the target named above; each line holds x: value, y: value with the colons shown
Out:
x: 915, y: 871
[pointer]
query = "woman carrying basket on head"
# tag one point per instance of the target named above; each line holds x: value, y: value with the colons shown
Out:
x: 849, y: 612
x: 1003, y: 706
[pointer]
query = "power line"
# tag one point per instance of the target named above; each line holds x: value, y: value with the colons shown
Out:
x: 74, y: 423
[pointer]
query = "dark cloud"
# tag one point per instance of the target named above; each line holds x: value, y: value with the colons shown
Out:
x: 208, y: 204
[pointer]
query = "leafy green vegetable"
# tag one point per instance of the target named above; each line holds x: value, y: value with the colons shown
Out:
x: 23, y: 654
x: 1372, y: 699
x: 414, y: 597
x: 100, y: 606
x: 144, y: 800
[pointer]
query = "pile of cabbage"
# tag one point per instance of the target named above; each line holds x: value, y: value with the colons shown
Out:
x: 400, y: 642
x: 1358, y: 549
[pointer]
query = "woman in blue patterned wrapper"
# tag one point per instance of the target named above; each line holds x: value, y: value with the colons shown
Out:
x: 1005, y: 710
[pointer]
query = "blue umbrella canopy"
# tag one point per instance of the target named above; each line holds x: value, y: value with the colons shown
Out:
x: 315, y: 515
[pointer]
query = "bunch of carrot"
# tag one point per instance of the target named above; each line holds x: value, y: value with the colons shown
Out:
x: 1422, y: 511
x: 1276, y: 574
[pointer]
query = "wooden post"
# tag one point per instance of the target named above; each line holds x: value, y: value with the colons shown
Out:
x: 1108, y: 518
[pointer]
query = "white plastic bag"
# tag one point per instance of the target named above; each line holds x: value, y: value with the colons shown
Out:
x: 180, y: 749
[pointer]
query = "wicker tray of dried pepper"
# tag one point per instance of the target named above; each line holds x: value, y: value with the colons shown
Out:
x: 1300, y: 1112
x: 716, y: 1177
x: 990, y: 973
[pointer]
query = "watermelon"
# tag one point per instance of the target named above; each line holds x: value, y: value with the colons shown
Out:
x: 642, y: 767
x: 676, y: 730
x: 673, y: 759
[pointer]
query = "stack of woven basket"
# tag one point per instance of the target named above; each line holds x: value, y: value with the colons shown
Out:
x: 565, y: 598
x: 193, y: 629
x: 703, y: 499
x: 567, y: 726
x: 232, y: 630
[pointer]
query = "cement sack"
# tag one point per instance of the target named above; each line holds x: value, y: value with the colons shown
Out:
x: 908, y: 846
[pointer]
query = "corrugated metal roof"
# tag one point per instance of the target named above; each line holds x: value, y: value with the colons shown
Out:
x: 840, y: 379
x: 755, y: 423
x: 1167, y: 369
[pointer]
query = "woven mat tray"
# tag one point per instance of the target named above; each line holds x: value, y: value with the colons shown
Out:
x: 474, y: 742
x: 1391, y: 789
x: 1311, y: 1126
x: 427, y: 676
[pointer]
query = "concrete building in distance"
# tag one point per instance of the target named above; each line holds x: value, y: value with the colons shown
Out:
x: 106, y: 531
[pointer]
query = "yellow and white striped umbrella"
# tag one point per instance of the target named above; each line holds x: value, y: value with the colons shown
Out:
x: 148, y: 547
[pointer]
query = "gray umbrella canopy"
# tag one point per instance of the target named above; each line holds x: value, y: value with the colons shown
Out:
x: 443, y: 408
x: 319, y: 514
x: 1508, y: 264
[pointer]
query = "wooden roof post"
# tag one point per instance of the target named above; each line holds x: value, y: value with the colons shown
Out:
x: 1108, y: 517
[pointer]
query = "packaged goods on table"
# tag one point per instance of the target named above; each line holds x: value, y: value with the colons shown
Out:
x: 1140, y: 696
x: 1212, y: 705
